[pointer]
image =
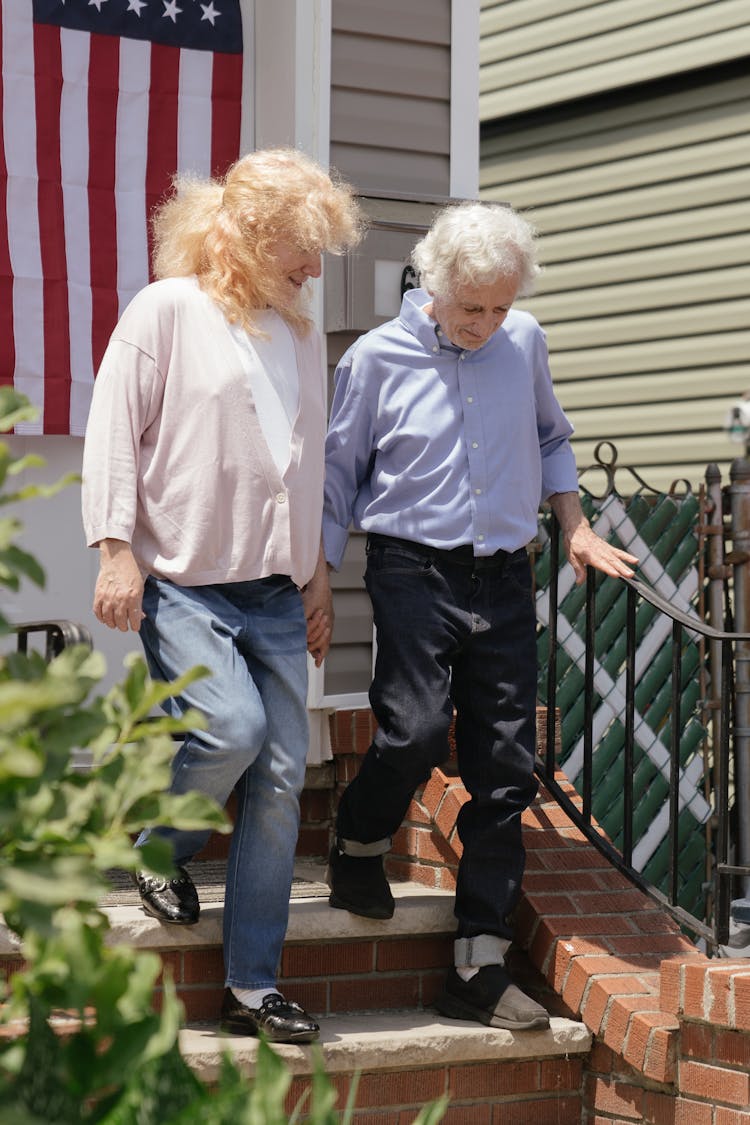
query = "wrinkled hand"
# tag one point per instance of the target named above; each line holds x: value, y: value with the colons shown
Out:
x: 317, y: 600
x: 585, y: 548
x: 118, y: 595
x: 582, y: 544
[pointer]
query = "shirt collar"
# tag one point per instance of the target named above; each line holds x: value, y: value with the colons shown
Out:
x: 417, y: 321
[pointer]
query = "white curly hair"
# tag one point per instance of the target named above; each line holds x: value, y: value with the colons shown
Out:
x: 472, y: 244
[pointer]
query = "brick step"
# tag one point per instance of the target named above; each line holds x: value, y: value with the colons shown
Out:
x: 405, y: 1059
x: 333, y: 961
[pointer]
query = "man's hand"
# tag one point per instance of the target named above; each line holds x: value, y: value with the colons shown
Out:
x: 118, y: 595
x: 583, y: 546
x: 318, y: 604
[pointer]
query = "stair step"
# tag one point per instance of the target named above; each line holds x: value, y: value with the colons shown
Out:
x: 419, y: 910
x: 407, y: 1058
x: 333, y: 961
x: 388, y: 1041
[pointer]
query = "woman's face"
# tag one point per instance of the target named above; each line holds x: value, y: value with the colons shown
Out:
x: 293, y: 267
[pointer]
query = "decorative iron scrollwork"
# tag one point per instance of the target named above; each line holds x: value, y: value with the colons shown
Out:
x: 409, y: 279
x: 605, y: 460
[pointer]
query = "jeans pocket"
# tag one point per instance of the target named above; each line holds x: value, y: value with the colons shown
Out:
x: 518, y: 571
x: 386, y: 558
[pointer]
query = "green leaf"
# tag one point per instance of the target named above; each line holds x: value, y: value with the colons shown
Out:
x: 434, y: 1112
x: 52, y: 882
x: 187, y: 811
x: 27, y: 461
x: 159, y: 1094
x: 21, y: 562
x: 14, y: 408
x: 265, y: 1104
x: 19, y: 762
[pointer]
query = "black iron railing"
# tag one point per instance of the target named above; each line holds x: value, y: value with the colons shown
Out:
x: 733, y: 646
x: 56, y: 635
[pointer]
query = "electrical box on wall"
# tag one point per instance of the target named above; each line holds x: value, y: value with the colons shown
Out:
x: 364, y: 288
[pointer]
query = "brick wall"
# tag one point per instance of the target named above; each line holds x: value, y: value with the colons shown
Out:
x: 533, y: 1092
x: 671, y: 1026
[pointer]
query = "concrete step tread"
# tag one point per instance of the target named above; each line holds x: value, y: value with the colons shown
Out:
x: 419, y: 910
x: 393, y: 1040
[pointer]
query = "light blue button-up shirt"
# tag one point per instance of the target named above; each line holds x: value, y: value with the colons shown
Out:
x: 441, y: 446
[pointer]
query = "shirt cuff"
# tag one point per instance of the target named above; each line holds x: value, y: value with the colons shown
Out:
x: 96, y: 532
x: 559, y: 473
x: 334, y: 543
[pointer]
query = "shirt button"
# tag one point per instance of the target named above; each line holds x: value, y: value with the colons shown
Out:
x: 462, y: 355
x: 480, y: 539
x: 475, y: 445
x: 436, y: 348
x: 478, y: 491
x: 281, y: 497
x: 470, y: 398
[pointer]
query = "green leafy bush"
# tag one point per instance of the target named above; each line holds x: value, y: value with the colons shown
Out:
x: 80, y: 1039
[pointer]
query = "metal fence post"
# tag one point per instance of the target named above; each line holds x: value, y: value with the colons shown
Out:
x: 717, y: 575
x: 739, y: 490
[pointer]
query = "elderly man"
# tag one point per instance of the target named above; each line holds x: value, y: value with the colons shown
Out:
x: 445, y: 435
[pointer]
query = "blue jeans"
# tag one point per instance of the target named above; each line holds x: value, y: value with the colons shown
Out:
x: 452, y: 631
x: 252, y: 636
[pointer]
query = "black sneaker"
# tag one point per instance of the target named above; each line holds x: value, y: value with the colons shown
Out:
x: 170, y: 900
x: 490, y: 997
x: 358, y: 884
x: 280, y: 1020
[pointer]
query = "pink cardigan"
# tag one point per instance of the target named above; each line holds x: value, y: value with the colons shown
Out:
x: 175, y: 462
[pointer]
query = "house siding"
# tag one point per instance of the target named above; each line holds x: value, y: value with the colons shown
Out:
x: 640, y: 197
x: 390, y: 95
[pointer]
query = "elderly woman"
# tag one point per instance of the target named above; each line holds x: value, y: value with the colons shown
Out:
x: 203, y: 490
x: 445, y: 435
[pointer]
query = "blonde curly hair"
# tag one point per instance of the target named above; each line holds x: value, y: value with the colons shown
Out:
x: 225, y: 230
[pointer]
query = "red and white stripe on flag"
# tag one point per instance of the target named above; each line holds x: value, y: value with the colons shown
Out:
x: 97, y: 116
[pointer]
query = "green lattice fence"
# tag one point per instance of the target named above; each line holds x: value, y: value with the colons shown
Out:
x: 660, y: 530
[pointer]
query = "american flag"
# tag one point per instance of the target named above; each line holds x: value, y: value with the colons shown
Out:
x: 102, y: 102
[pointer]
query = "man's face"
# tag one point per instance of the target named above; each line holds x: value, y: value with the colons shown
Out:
x: 474, y: 313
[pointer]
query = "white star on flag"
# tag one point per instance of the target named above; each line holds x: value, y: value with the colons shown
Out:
x: 171, y: 10
x: 209, y: 13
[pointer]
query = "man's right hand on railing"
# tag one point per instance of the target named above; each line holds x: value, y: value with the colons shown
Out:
x: 582, y: 544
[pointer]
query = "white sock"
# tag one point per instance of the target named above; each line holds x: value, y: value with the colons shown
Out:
x: 473, y: 953
x: 253, y: 997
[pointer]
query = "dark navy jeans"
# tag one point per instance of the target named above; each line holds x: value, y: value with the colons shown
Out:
x: 452, y: 631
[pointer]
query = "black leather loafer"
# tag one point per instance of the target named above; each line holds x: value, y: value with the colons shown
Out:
x: 170, y: 900
x: 280, y: 1020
